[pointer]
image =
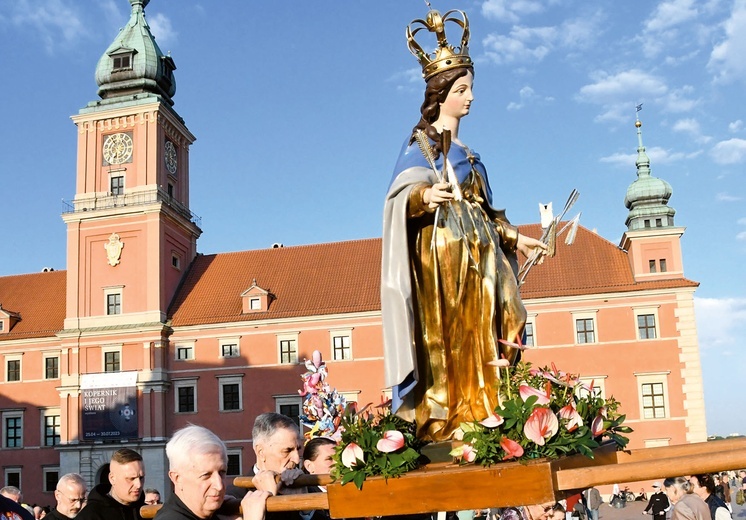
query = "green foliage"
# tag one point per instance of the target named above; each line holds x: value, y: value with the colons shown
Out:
x: 366, y: 429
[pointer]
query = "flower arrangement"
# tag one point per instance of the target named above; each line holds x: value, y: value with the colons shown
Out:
x: 375, y: 442
x: 322, y: 405
x: 542, y: 415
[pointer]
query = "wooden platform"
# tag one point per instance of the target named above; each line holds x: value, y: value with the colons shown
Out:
x: 448, y: 487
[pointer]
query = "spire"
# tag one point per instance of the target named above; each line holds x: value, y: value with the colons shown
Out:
x: 647, y: 197
x: 134, y: 65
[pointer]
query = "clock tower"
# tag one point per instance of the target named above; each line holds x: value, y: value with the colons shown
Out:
x: 130, y: 236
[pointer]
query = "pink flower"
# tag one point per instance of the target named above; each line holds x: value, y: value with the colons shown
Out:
x: 351, y: 455
x: 464, y: 452
x: 571, y: 415
x: 527, y: 391
x: 469, y: 453
x: 493, y: 421
x: 541, y: 424
x: 392, y: 441
x: 512, y: 448
x: 597, y: 426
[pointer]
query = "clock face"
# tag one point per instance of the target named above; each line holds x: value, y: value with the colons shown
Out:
x: 170, y: 157
x: 117, y: 148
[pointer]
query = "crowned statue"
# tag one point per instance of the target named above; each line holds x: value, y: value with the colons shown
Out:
x: 452, y: 313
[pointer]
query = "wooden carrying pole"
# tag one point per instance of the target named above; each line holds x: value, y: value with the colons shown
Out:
x: 448, y: 487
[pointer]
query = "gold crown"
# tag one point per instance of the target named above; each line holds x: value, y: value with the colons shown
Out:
x: 445, y: 56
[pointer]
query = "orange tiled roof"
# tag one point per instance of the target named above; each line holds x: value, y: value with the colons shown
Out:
x: 591, y: 265
x: 39, y: 298
x: 317, y: 279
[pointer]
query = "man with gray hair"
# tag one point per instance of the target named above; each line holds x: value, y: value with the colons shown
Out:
x: 277, y: 443
x: 70, y: 495
x: 197, y: 462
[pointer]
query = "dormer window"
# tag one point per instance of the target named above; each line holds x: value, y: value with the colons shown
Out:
x: 7, y: 320
x: 255, y: 299
x: 122, y: 59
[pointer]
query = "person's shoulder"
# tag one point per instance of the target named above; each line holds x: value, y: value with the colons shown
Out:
x: 56, y: 515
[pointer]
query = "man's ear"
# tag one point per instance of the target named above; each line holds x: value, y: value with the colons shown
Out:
x: 174, y: 476
x: 308, y: 466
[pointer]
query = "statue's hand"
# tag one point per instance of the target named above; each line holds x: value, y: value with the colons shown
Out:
x: 528, y: 245
x: 436, y: 195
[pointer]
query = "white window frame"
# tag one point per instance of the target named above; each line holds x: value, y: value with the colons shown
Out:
x: 351, y: 396
x: 657, y: 443
x: 14, y: 357
x: 652, y: 378
x: 229, y: 341
x: 114, y: 289
x: 11, y: 414
x: 340, y: 333
x: 585, y: 315
x: 292, y: 336
x: 189, y: 345
x: 239, y: 452
x: 255, y: 303
x: 49, y: 412
x: 13, y: 469
x: 190, y: 382
x: 531, y: 320
x: 641, y: 311
x: 49, y: 355
x: 285, y: 400
x: 105, y: 349
x: 230, y: 380
x: 599, y: 386
x: 45, y: 470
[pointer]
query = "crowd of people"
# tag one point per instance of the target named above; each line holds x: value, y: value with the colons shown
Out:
x: 197, y: 468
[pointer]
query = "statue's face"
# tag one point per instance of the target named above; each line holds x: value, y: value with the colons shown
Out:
x: 459, y: 99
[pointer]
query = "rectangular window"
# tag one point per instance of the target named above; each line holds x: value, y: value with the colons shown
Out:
x: 184, y: 353
x: 653, y: 401
x: 646, y: 326
x: 13, y: 429
x: 122, y: 62
x: 112, y: 362
x: 170, y: 190
x: 229, y: 350
x: 13, y: 372
x: 186, y: 399
x: 342, y: 347
x: 255, y: 304
x: 51, y: 430
x: 117, y: 185
x: 292, y: 411
x: 234, y: 464
x: 113, y: 304
x: 231, y: 400
x: 662, y: 263
x: 658, y: 223
x: 585, y: 330
x: 13, y: 477
x: 529, y: 330
x: 288, y: 351
x: 51, y: 367
x: 2, y: 325
x: 51, y: 476
x: 651, y: 265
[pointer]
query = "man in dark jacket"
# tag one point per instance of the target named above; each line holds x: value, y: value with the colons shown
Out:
x: 197, y: 462
x: 658, y: 503
x: 125, y: 498
x: 704, y: 486
x: 71, y: 497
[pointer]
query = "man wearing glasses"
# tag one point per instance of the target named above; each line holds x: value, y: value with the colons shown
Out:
x: 71, y: 497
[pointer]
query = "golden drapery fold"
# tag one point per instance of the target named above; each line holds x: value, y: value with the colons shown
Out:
x: 465, y: 299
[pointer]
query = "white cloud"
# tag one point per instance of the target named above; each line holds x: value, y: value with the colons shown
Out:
x: 719, y: 321
x: 735, y: 126
x: 53, y: 21
x: 731, y: 151
x: 726, y: 197
x: 669, y: 14
x: 510, y: 10
x: 664, y: 27
x: 656, y: 154
x: 521, y: 44
x: 690, y: 126
x: 741, y: 236
x: 630, y: 85
x: 527, y: 95
x: 726, y: 60
x: 162, y: 30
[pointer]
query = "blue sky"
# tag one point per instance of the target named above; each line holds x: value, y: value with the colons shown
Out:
x: 300, y: 110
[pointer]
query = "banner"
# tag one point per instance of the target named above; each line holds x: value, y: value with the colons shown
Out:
x: 109, y: 405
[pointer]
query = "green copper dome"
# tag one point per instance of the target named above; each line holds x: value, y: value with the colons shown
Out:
x: 647, y: 197
x: 134, y: 64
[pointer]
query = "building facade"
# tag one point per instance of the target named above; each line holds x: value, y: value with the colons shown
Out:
x: 142, y: 335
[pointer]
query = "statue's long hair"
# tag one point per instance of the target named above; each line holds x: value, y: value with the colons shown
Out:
x: 436, y: 92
